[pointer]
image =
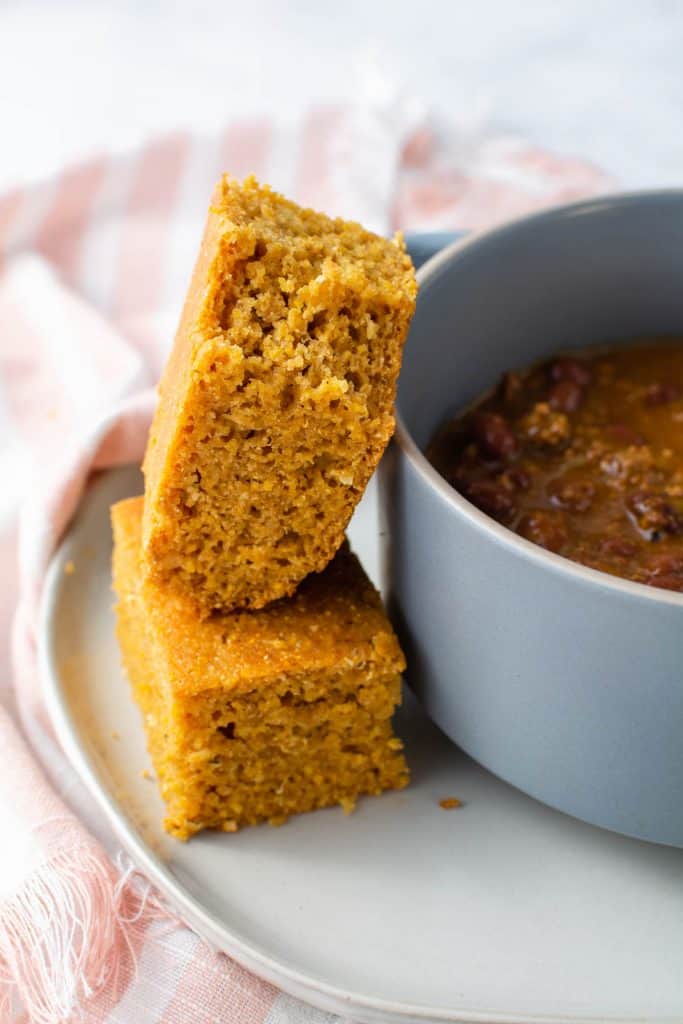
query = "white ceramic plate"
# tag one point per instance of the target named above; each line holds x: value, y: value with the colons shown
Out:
x: 501, y: 910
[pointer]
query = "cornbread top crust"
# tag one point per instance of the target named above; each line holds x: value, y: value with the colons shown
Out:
x: 335, y: 620
x: 277, y: 400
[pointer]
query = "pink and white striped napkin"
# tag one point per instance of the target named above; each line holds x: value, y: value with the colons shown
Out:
x: 93, y: 270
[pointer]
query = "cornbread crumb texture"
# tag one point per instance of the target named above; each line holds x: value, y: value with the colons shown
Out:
x: 277, y: 400
x: 254, y: 716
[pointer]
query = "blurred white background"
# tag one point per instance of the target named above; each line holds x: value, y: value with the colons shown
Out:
x: 595, y: 78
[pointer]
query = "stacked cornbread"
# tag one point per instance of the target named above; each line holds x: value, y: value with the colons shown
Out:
x: 257, y: 648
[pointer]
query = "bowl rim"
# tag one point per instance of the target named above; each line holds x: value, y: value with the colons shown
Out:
x: 483, y: 523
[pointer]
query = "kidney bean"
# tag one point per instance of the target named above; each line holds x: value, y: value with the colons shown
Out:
x: 571, y: 369
x: 661, y: 394
x: 492, y: 498
x: 652, y: 515
x: 545, y: 527
x: 494, y: 435
x: 565, y: 396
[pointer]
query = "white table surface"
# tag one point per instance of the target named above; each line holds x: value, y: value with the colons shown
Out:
x: 596, y: 78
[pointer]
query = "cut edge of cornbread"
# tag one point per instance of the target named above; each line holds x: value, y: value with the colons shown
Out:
x: 303, y: 732
x: 277, y: 400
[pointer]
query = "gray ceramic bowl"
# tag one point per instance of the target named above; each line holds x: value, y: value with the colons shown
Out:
x: 564, y: 681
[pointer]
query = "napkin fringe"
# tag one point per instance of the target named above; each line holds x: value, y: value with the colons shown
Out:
x: 65, y: 934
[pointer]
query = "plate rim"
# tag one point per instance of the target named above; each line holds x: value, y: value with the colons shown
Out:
x: 180, y: 901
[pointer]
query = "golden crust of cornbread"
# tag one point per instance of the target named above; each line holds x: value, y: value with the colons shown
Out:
x: 277, y: 400
x: 254, y: 716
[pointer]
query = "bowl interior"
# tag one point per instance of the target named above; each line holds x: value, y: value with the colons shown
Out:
x: 587, y: 274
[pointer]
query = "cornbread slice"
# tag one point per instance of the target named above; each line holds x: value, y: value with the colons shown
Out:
x: 277, y: 400
x: 253, y: 716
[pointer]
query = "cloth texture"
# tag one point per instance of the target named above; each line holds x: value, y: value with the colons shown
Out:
x: 93, y: 270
